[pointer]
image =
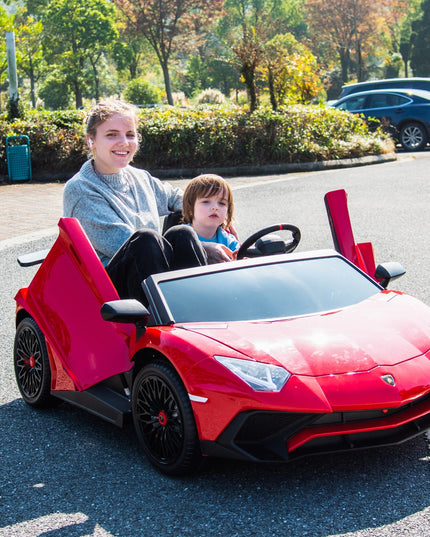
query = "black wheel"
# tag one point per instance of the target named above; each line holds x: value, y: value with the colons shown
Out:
x: 413, y: 136
x: 246, y: 251
x: 32, y: 370
x: 164, y: 419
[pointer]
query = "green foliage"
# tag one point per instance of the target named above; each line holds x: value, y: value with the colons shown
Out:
x: 420, y: 54
x: 393, y: 65
x: 77, y: 33
x: 140, y: 91
x: 291, y: 71
x: 95, y: 49
x: 55, y: 92
x: 194, y: 76
x: 14, y: 110
x: 56, y: 141
x: 220, y: 136
x: 203, y: 137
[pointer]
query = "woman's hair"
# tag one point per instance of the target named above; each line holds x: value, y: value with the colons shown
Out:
x: 104, y: 110
x: 206, y: 186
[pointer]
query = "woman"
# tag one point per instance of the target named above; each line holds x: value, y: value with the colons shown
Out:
x: 119, y: 206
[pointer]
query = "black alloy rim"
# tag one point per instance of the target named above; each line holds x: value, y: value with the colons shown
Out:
x: 159, y: 419
x: 29, y: 364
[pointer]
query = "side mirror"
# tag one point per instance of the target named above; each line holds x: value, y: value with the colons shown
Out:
x: 386, y: 272
x: 34, y: 258
x: 126, y: 311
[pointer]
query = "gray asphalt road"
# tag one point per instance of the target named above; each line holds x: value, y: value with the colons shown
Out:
x: 66, y: 474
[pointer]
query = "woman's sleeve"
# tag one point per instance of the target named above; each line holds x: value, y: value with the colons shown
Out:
x: 100, y: 222
x: 169, y: 198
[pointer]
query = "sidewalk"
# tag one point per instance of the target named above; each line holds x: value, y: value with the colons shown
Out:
x: 32, y: 210
x: 29, y: 207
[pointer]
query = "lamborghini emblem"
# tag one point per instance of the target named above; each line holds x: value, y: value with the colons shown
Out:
x: 389, y: 379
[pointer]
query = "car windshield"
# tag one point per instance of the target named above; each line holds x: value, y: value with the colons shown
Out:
x: 269, y: 291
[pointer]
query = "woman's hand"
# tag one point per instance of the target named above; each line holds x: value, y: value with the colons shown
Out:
x: 218, y: 253
x: 231, y: 229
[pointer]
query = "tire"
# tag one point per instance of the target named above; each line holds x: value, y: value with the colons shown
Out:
x: 413, y: 136
x: 31, y: 363
x: 164, y: 419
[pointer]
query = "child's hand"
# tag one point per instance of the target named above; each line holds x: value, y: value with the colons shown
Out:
x: 217, y: 253
x: 231, y: 255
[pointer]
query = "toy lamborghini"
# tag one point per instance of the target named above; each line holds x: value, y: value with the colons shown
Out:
x: 271, y: 357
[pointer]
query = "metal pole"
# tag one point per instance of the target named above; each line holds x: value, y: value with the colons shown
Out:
x: 11, y: 66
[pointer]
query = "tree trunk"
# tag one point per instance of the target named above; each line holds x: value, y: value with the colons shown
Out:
x: 273, y: 100
x: 405, y: 51
x: 359, y: 63
x: 32, y: 88
x: 343, y: 56
x: 78, y: 94
x: 167, y: 83
x: 248, y: 72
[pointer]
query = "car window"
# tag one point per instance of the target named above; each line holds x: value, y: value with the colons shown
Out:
x: 384, y: 100
x: 269, y: 291
x: 354, y: 103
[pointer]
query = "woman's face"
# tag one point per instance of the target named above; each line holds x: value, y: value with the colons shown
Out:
x: 115, y: 143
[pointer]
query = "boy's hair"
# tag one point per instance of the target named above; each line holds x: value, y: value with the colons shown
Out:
x: 205, y: 186
x: 105, y: 109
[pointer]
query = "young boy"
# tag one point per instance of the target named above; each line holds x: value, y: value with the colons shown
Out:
x: 208, y: 208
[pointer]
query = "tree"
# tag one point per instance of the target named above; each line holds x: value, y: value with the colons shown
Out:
x: 29, y: 49
x: 131, y: 48
x: 55, y: 92
x: 291, y: 71
x: 5, y: 26
x: 77, y: 35
x: 140, y: 91
x: 348, y: 27
x: 167, y: 25
x: 249, y: 52
x: 399, y: 15
x: 248, y: 25
x: 212, y: 71
x: 420, y: 41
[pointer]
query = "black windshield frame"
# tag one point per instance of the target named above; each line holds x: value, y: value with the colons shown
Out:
x: 261, y: 289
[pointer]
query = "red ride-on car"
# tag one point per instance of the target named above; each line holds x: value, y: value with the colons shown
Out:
x: 267, y: 358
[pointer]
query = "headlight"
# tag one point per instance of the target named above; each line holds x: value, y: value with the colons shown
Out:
x: 261, y: 377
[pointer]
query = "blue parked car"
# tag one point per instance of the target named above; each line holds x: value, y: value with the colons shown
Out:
x: 419, y: 83
x: 405, y: 113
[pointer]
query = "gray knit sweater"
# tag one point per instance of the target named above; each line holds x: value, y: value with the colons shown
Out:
x: 111, y: 208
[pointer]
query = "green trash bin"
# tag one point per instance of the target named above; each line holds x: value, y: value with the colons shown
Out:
x: 18, y: 158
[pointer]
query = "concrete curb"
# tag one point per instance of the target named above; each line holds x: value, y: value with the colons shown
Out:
x: 270, y: 169
x: 236, y: 171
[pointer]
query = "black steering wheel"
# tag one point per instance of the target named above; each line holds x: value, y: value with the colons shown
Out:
x: 273, y: 245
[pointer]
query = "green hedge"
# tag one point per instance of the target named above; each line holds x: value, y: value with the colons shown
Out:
x: 204, y: 137
x: 57, y: 143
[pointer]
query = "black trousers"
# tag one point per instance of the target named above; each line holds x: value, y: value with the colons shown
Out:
x: 147, y: 252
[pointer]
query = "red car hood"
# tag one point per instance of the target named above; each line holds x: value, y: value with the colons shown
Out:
x: 386, y: 329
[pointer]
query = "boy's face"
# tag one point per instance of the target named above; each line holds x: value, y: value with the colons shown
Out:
x: 210, y: 211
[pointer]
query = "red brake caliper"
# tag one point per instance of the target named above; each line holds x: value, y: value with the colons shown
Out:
x: 162, y: 418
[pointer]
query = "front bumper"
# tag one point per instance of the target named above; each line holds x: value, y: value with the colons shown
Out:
x: 269, y: 436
